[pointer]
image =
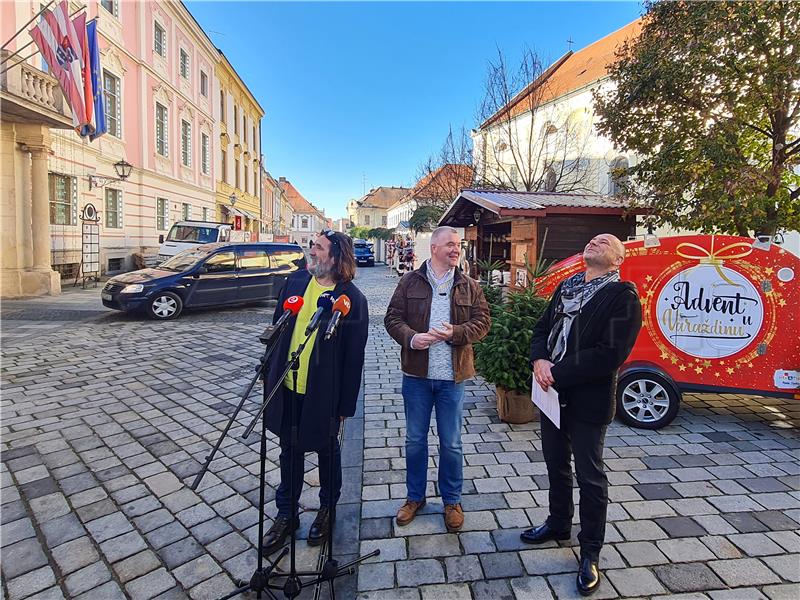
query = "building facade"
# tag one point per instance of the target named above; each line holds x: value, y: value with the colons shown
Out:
x: 32, y: 107
x: 238, y: 197
x: 158, y: 77
x: 277, y: 211
x: 307, y: 219
x: 371, y: 210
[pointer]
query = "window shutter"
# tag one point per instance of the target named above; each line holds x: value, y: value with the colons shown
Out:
x: 120, y: 208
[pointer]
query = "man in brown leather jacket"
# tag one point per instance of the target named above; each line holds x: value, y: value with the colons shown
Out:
x: 436, y: 314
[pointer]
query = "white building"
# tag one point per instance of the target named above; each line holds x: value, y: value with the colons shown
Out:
x: 307, y: 219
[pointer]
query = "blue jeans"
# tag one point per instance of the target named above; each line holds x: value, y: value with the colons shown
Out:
x: 420, y: 396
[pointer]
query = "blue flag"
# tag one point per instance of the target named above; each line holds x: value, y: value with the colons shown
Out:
x: 97, y: 82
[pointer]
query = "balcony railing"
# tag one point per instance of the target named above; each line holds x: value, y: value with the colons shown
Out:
x: 31, y: 95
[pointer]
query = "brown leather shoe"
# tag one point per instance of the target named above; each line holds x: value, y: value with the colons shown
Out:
x: 408, y: 511
x: 453, y: 517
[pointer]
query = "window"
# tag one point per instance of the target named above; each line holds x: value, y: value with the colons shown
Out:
x: 115, y: 264
x: 162, y: 141
x: 186, y: 211
x: 236, y: 172
x: 113, y: 208
x: 246, y: 180
x: 110, y: 6
x: 111, y: 88
x: 617, y: 176
x: 244, y: 127
x: 204, y: 84
x: 184, y: 64
x: 160, y: 40
x: 222, y: 105
x: 222, y: 261
x: 205, y: 214
x: 162, y: 214
x: 224, y: 166
x: 204, y: 153
x: 254, y: 259
x: 304, y: 222
x: 63, y: 200
x: 366, y: 219
x: 235, y: 119
x: 383, y: 220
x: 254, y: 138
x: 186, y: 143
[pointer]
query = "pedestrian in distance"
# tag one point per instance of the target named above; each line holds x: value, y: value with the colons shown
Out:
x: 586, y: 333
x: 327, y: 368
x: 436, y: 314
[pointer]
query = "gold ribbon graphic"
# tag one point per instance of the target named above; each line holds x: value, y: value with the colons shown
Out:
x: 714, y: 257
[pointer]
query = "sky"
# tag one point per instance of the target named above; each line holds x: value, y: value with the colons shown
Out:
x: 358, y: 94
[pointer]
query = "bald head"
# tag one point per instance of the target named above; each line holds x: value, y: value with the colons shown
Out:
x: 445, y: 248
x: 604, y: 252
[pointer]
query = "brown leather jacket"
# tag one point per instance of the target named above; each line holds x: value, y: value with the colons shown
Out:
x: 409, y: 312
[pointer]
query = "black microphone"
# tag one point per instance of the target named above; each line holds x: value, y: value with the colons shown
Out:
x: 341, y: 308
x: 324, y: 304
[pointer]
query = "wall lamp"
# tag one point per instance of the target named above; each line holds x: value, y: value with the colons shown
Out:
x: 123, y: 169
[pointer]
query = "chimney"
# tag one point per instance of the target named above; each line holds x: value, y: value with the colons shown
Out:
x: 282, y: 179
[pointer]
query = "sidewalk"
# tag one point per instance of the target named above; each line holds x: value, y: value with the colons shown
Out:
x: 707, y: 507
x: 106, y: 418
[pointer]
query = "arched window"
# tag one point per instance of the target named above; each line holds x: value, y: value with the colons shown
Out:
x: 617, y: 175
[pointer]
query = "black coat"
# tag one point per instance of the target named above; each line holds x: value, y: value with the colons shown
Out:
x: 600, y: 340
x: 334, y: 369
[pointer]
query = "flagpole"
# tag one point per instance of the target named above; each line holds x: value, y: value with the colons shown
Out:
x: 22, y: 60
x: 8, y: 41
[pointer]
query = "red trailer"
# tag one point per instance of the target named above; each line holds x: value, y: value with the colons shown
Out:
x: 719, y: 313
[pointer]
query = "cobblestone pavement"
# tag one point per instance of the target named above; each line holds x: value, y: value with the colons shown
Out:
x: 107, y: 417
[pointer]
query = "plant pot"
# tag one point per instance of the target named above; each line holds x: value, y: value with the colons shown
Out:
x: 515, y: 407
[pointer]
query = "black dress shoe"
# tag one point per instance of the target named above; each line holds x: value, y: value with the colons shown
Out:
x: 320, y: 526
x: 588, y: 577
x: 543, y: 533
x: 277, y: 534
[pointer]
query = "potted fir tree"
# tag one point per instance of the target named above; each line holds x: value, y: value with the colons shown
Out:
x: 503, y: 356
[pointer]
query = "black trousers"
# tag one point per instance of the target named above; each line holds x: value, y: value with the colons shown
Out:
x: 584, y: 441
x: 292, y: 472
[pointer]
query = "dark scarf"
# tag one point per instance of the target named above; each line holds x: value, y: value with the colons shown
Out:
x: 575, y: 293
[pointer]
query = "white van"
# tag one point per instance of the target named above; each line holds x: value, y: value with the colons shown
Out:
x: 188, y: 234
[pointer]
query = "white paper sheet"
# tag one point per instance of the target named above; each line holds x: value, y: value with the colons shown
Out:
x: 547, y: 402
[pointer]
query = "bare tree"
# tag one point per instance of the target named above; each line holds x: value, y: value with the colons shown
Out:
x: 444, y: 174
x: 526, y: 141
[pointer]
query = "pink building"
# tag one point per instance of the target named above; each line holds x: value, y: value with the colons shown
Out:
x: 160, y: 86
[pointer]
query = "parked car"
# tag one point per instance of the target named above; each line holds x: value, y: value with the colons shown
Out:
x: 209, y: 275
x: 364, y: 253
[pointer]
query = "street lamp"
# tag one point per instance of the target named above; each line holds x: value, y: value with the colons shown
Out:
x: 123, y: 169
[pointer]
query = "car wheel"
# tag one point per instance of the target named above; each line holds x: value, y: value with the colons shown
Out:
x: 646, y: 400
x: 164, y: 306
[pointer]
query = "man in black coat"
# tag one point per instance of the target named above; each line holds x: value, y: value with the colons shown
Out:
x: 328, y: 382
x: 584, y: 336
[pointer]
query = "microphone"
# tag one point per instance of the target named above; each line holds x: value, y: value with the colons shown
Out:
x: 324, y: 304
x: 291, y: 306
x: 341, y: 308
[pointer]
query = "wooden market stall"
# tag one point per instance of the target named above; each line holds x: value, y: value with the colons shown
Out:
x: 509, y: 225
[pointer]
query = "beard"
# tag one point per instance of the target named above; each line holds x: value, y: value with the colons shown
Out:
x: 320, y: 270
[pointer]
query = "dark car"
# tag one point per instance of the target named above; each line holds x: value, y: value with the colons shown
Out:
x: 363, y: 252
x: 210, y: 275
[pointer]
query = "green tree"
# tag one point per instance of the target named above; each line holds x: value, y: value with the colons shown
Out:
x: 380, y: 233
x: 360, y: 233
x: 425, y: 217
x: 709, y: 97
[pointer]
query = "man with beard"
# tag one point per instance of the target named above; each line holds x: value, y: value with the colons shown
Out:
x: 328, y: 381
x: 436, y: 314
x: 586, y: 333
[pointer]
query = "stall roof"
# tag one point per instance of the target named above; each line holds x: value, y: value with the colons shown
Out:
x: 506, y: 203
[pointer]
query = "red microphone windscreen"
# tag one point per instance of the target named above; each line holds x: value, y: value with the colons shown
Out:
x: 342, y: 304
x: 293, y: 303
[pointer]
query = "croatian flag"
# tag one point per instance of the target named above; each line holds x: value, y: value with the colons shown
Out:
x: 98, y: 94
x: 61, y: 47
